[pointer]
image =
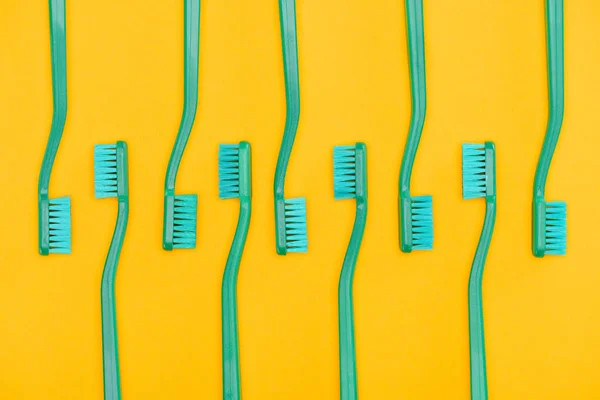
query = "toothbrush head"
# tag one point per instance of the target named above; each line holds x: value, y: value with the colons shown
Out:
x: 55, y: 225
x: 294, y: 220
x: 349, y: 172
x: 478, y: 170
x: 184, y: 221
x: 111, y: 171
x: 180, y: 220
x: 416, y: 223
x: 549, y: 228
x: 235, y: 171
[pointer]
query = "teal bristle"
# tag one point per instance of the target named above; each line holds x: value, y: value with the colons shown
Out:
x: 229, y: 182
x: 556, y: 228
x: 296, y: 236
x: 422, y: 222
x: 344, y: 172
x: 105, y: 170
x: 60, y: 225
x: 473, y: 171
x: 184, y: 221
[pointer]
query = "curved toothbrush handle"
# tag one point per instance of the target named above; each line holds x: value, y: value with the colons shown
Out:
x: 556, y: 90
x: 476, y: 332
x: 348, y: 380
x: 110, y: 347
x: 416, y: 51
x: 289, y: 39
x: 58, y: 46
x: 190, y: 89
x: 231, y: 361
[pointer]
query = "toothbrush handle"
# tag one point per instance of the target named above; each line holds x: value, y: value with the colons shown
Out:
x: 348, y: 380
x: 190, y: 89
x: 556, y: 90
x: 231, y: 361
x: 416, y: 51
x: 289, y: 39
x: 59, y: 89
x: 110, y: 347
x: 476, y: 331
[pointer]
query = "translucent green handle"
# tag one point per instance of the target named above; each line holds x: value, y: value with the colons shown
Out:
x: 556, y: 91
x: 110, y: 343
x: 231, y: 361
x: 58, y: 52
x: 190, y: 87
x: 289, y: 39
x: 476, y: 331
x: 416, y: 52
x: 348, y: 380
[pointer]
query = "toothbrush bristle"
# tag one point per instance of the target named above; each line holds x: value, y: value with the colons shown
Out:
x: 422, y: 222
x: 60, y: 225
x: 344, y: 172
x: 229, y: 178
x: 473, y: 171
x: 105, y: 170
x: 556, y: 228
x: 184, y: 221
x: 296, y: 236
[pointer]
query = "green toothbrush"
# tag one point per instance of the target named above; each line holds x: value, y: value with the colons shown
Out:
x: 111, y: 179
x: 179, y: 224
x: 54, y: 215
x: 550, y: 218
x: 479, y: 180
x: 415, y: 212
x: 235, y: 181
x: 350, y: 182
x: 290, y: 214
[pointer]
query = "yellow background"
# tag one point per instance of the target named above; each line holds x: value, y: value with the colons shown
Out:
x: 486, y: 80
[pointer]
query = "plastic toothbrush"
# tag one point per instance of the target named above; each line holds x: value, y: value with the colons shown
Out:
x: 549, y: 233
x: 479, y: 181
x: 350, y: 182
x: 54, y: 215
x: 180, y: 213
x: 290, y: 214
x: 415, y: 212
x: 111, y: 179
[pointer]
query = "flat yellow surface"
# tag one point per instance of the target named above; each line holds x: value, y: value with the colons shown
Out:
x: 486, y: 81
